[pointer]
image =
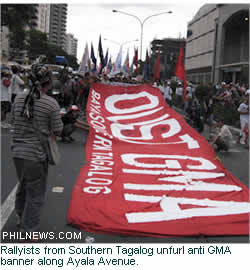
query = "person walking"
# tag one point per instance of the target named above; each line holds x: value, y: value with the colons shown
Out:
x: 168, y: 92
x: 243, y: 109
x: 5, y: 96
x: 179, y: 93
x: 17, y: 84
x: 30, y: 158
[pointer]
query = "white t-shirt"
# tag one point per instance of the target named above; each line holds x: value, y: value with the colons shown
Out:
x: 16, y: 82
x: 179, y: 91
x: 161, y: 88
x: 243, y: 108
x: 168, y: 93
x: 5, y: 96
x: 189, y: 93
x: 226, y: 135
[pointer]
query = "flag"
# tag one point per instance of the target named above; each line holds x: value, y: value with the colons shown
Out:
x: 92, y: 55
x: 125, y: 67
x: 165, y: 66
x: 84, y: 66
x: 109, y: 67
x: 146, y: 68
x: 157, y: 68
x: 180, y: 72
x: 101, y: 52
x: 118, y: 62
x: 106, y: 58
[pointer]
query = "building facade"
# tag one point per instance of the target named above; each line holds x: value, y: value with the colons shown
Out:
x: 57, y: 25
x: 169, y: 51
x: 4, y: 44
x: 43, y: 18
x: 71, y: 45
x: 217, y: 47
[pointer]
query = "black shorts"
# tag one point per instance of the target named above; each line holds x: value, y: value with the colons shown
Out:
x: 5, y: 106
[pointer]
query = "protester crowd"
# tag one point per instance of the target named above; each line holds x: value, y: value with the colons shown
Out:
x: 208, y: 104
x: 40, y: 101
x: 203, y: 104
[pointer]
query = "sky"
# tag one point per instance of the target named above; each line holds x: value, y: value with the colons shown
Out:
x: 90, y: 19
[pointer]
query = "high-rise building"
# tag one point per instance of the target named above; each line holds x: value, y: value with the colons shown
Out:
x: 57, y: 26
x: 4, y: 43
x: 71, y: 44
x: 43, y: 18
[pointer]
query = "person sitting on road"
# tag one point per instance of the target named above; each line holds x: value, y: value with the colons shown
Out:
x: 71, y: 122
x: 224, y: 138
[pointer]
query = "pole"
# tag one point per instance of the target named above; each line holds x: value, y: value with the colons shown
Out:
x: 141, y: 41
x: 141, y: 23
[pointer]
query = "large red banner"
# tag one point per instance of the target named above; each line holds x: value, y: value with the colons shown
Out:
x: 150, y: 173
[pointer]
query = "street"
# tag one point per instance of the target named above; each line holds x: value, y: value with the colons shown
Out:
x: 61, y: 182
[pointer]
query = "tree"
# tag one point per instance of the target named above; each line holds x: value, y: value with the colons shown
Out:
x: 37, y: 43
x: 72, y: 61
x: 17, y: 17
x: 54, y: 50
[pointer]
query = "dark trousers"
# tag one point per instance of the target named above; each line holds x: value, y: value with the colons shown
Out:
x: 221, y: 145
x: 68, y: 130
x: 13, y: 96
x: 31, y: 191
x: 169, y: 102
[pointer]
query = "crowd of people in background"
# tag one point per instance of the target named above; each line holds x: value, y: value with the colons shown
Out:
x: 203, y: 104
x: 210, y: 104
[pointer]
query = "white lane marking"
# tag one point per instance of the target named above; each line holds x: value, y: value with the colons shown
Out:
x: 7, y: 207
x: 57, y: 189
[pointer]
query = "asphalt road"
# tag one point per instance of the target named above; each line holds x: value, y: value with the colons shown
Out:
x: 62, y: 179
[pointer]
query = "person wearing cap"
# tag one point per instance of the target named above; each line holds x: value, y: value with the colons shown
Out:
x: 168, y: 92
x: 223, y: 140
x: 5, y: 96
x: 179, y: 93
x: 71, y: 123
x: 220, y: 92
x: 17, y: 83
x: 33, y: 110
x: 189, y: 97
